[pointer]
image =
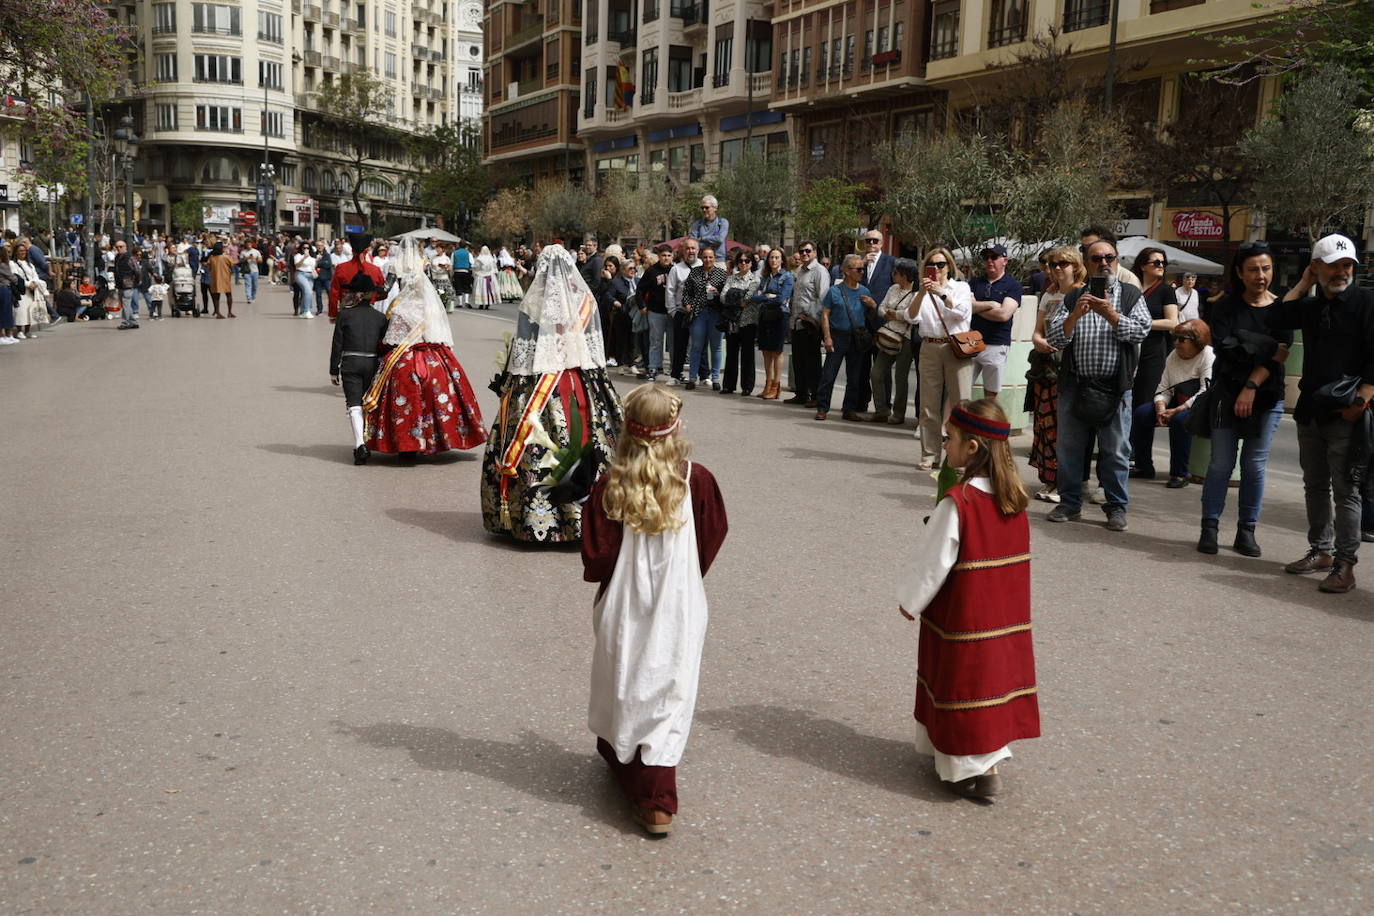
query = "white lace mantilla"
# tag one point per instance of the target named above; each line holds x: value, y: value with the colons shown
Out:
x: 550, y: 336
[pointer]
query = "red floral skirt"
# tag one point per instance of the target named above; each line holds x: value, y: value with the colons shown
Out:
x: 426, y: 406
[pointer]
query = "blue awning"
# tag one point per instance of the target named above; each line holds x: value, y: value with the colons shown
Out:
x: 739, y: 122
x: 676, y: 132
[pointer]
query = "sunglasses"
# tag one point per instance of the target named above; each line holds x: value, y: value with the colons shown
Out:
x: 1103, y: 258
x: 806, y: 251
x: 940, y: 264
x: 705, y: 207
x: 1260, y: 245
x: 1061, y: 265
x: 1157, y: 263
x: 874, y: 241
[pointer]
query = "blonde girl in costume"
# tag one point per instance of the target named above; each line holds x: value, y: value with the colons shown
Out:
x: 650, y: 530
x: 970, y: 585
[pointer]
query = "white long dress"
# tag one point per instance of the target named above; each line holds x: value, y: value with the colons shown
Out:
x: 650, y: 627
x: 484, y: 289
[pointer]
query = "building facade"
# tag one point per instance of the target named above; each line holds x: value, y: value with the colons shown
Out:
x: 534, y: 64
x: 227, y: 87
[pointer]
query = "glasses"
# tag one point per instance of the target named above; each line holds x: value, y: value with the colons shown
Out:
x: 1180, y: 338
x: 1157, y: 262
x: 940, y: 264
x: 806, y: 251
x: 1061, y: 265
x: 1259, y: 245
x: 705, y: 206
x: 874, y: 241
x: 1103, y: 258
x: 853, y: 268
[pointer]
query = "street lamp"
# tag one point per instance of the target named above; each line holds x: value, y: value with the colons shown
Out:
x: 126, y: 148
x: 415, y: 202
x: 267, y: 195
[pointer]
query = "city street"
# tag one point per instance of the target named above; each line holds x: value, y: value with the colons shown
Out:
x: 241, y: 675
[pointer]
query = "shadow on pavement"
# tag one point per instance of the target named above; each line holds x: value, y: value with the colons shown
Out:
x: 847, y: 457
x: 532, y: 765
x: 831, y: 746
x: 334, y: 453
x: 466, y: 528
x: 303, y: 389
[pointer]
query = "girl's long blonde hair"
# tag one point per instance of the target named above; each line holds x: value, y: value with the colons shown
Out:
x: 994, y: 460
x: 647, y: 481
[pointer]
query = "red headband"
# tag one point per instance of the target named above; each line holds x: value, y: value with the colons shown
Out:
x: 980, y: 426
x: 640, y: 431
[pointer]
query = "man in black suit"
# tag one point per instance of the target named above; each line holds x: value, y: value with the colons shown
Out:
x: 355, y: 353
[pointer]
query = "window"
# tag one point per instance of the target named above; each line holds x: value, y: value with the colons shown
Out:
x: 166, y: 68
x: 269, y: 74
x: 658, y: 160
x: 390, y: 67
x: 721, y: 69
x: 475, y: 80
x: 648, y: 81
x: 589, y: 96
x: 271, y: 124
x: 311, y: 181
x: 698, y: 171
x: 898, y: 35
x: 909, y: 126
x: 679, y: 71
x: 868, y: 48
x: 848, y: 55
x: 805, y: 64
x: 944, y: 29
x: 882, y: 39
x: 218, y: 68
x: 269, y: 27
x: 1084, y: 14
x: 215, y: 19
x: 288, y: 174
x: 758, y: 46
x: 1008, y: 23
x: 166, y: 117
x: 220, y: 168
x: 390, y: 20
x: 677, y: 160
x: 220, y: 118
x: 164, y: 17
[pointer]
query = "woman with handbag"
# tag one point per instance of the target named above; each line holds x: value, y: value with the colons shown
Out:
x: 1066, y: 274
x: 845, y: 336
x: 773, y: 301
x: 701, y: 294
x: 741, y: 319
x: 942, y: 308
x: 1245, y: 403
x: 892, y: 346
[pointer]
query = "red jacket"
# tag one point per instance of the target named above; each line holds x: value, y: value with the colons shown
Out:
x: 344, y: 274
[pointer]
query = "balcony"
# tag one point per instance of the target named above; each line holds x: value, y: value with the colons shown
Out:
x: 650, y: 10
x: 693, y: 15
x: 529, y: 87
x: 436, y: 19
x: 296, y: 6
x: 348, y: 25
x: 527, y: 34
x: 684, y: 101
x: 761, y: 82
x: 625, y: 38
x: 350, y: 67
x: 331, y: 20
x: 1085, y: 14
x: 417, y: 91
x: 269, y: 38
x: 307, y: 101
x: 419, y: 52
x: 331, y: 63
x: 436, y: 56
x: 313, y: 13
x: 311, y: 58
x: 646, y: 98
x: 1007, y: 35
x: 720, y: 79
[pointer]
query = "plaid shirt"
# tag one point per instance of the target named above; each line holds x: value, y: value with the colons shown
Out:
x: 1096, y: 344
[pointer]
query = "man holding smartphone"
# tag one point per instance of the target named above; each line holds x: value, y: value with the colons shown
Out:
x: 996, y: 296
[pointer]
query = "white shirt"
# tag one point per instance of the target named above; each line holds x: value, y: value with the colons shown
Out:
x: 305, y: 264
x: 251, y: 257
x: 676, y: 278
x: 900, y: 300
x: 1188, y: 303
x: 1178, y: 370
x: 157, y: 292
x: 956, y: 311
x: 937, y: 550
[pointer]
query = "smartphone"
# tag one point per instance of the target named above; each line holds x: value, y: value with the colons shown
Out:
x: 1098, y: 286
x: 932, y: 273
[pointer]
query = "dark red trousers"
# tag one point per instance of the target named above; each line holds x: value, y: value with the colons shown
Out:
x: 646, y: 786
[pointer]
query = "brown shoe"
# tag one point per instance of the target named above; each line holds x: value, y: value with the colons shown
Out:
x: 1315, y: 561
x: 820, y: 415
x: 795, y: 399
x: 985, y: 786
x: 851, y: 416
x: 1341, y: 580
x: 876, y: 418
x: 654, y: 820
x: 771, y: 391
x: 896, y: 421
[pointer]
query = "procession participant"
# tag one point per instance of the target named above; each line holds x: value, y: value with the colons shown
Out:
x: 653, y: 526
x: 553, y: 389
x: 970, y: 583
x: 485, y: 293
x: 507, y: 283
x: 462, y: 274
x: 420, y: 401
x: 440, y: 274
x: 355, y: 352
x: 345, y: 272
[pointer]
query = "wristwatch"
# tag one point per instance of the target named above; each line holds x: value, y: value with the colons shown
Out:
x: 1251, y: 384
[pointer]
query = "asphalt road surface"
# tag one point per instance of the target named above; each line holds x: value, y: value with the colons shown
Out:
x: 241, y: 675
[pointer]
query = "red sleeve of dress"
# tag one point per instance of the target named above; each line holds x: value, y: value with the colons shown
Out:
x: 600, y: 538
x: 708, y: 508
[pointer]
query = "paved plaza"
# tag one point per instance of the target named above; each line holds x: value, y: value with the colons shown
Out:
x: 241, y: 675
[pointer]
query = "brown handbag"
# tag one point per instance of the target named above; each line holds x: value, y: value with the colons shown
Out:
x: 964, y: 344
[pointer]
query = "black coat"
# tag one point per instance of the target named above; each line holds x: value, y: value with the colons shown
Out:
x: 359, y: 329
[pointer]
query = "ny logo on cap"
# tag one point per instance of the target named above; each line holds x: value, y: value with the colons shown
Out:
x: 1340, y: 245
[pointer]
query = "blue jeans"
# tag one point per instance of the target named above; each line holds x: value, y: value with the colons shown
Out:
x: 659, y: 329
x: 703, y: 330
x: 1113, y: 450
x: 854, y: 370
x: 1143, y: 440
x: 128, y: 298
x: 306, y: 285
x: 250, y: 285
x: 321, y: 295
x: 1254, y: 455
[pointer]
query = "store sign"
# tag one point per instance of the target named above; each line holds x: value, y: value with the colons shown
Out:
x: 1195, y: 224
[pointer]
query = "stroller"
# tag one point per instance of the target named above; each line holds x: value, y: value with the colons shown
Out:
x: 183, y: 291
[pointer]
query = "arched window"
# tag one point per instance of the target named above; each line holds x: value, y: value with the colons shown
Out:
x: 221, y: 170
x: 312, y: 179
x: 330, y: 184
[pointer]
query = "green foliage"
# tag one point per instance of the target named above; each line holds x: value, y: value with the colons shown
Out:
x: 755, y: 194
x: 942, y: 189
x: 188, y: 214
x: 356, y: 106
x: 612, y: 213
x: 453, y: 181
x: 827, y: 210
x: 1313, y: 161
x: 563, y: 211
x: 1299, y: 35
x: 655, y: 207
x: 505, y: 216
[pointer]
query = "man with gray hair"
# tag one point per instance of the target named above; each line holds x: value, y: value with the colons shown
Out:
x: 710, y: 229
x: 844, y: 313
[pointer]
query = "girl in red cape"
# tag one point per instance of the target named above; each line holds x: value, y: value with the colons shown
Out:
x: 970, y: 584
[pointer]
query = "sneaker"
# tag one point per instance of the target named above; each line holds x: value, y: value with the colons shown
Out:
x: 612, y: 363
x: 715, y: 384
x: 1095, y: 495
x: 1116, y: 519
x: 58, y: 320
x: 670, y: 382
x: 5, y: 341
x: 1062, y: 513
x: 20, y: 335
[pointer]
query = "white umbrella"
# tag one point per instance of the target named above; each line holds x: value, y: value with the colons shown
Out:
x: 1016, y: 251
x: 438, y: 235
x: 1180, y: 261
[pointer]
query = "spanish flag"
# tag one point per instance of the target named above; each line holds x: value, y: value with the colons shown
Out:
x: 624, y: 89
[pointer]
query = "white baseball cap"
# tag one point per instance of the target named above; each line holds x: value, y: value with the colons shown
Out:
x: 1333, y: 248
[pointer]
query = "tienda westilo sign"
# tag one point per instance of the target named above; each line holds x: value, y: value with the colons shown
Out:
x: 1195, y: 224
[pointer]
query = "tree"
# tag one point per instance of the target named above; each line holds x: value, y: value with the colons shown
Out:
x: 755, y: 193
x: 1314, y: 159
x: 942, y: 189
x: 655, y: 206
x: 453, y: 183
x: 612, y: 212
x: 1297, y: 36
x: 1198, y: 152
x: 355, y: 106
x: 60, y: 50
x: 188, y: 214
x: 562, y: 211
x: 828, y: 211
x: 505, y: 216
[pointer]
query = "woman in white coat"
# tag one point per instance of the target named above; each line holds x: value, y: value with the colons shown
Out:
x: 485, y: 293
x: 31, y: 311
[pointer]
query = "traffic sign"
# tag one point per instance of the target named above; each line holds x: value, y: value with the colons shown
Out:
x: 249, y: 217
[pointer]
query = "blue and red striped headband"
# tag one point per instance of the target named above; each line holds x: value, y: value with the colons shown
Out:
x: 980, y: 426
